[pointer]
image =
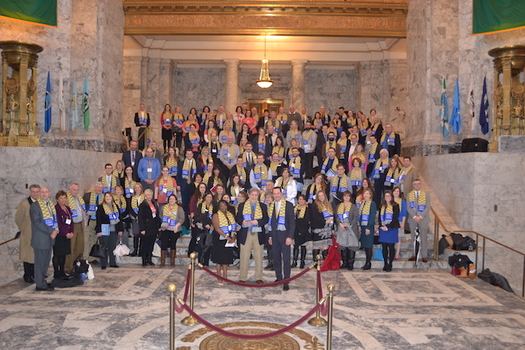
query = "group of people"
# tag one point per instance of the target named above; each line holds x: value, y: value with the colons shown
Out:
x: 241, y: 181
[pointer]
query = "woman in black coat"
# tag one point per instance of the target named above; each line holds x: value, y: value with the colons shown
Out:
x: 109, y: 226
x: 150, y: 220
x: 302, y: 230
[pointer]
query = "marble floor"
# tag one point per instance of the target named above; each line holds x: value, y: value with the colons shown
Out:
x: 127, y: 308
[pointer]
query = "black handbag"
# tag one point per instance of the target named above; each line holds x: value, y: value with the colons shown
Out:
x: 98, y: 251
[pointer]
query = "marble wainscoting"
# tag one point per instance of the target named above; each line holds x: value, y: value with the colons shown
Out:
x: 332, y: 88
x: 482, y: 192
x: 53, y: 167
x: 128, y: 308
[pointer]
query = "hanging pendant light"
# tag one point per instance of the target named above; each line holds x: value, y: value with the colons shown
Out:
x: 264, y: 81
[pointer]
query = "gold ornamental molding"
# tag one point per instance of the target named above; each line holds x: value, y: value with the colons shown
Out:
x: 373, y: 18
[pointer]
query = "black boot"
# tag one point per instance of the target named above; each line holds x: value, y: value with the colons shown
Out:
x: 315, y: 253
x: 135, y: 246
x: 368, y: 264
x: 350, y: 254
x: 303, y: 256
x: 150, y: 256
x: 295, y: 256
x: 144, y: 261
x: 344, y: 258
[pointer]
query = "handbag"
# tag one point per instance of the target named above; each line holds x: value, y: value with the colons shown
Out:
x: 98, y: 250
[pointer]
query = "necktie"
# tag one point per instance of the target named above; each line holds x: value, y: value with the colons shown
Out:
x: 189, y: 172
x: 338, y: 184
x: 417, y: 197
x: 132, y: 157
x: 109, y: 181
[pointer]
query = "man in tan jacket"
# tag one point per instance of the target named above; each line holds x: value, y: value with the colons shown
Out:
x: 23, y: 221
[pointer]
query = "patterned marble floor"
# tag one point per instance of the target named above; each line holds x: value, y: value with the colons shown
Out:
x: 127, y: 308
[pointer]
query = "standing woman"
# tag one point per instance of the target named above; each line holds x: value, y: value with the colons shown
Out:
x: 279, y: 147
x: 178, y: 119
x: 238, y: 117
x: 149, y: 223
x: 119, y: 172
x: 166, y: 121
x: 202, y: 227
x: 319, y: 184
x: 165, y: 186
x: 224, y: 227
x: 122, y: 205
x: 136, y: 200
x: 302, y: 230
x: 321, y: 222
x: 62, y: 245
x: 392, y: 173
x: 129, y: 184
x: 205, y: 157
x: 398, y: 198
x: 366, y: 184
x: 236, y: 186
x: 197, y: 199
x: 347, y: 231
x: 388, y: 228
x: 172, y: 161
x: 250, y: 121
x: 343, y: 142
x: 379, y: 175
x: 357, y: 175
x: 192, y: 140
x: 172, y: 220
x: 108, y: 215
x: 288, y: 185
x: 360, y: 154
x: 204, y: 115
x: 244, y: 133
x: 366, y: 221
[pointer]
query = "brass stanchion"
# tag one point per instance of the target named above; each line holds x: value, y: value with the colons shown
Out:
x: 331, y: 288
x: 317, y: 321
x: 172, y: 289
x: 190, y: 320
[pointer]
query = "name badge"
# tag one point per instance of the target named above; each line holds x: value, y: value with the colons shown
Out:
x: 68, y: 221
x: 165, y: 190
x: 154, y: 215
x: 150, y: 170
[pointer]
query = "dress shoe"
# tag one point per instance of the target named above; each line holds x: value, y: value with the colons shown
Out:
x: 367, y: 266
x: 29, y: 280
x: 412, y: 258
x: 424, y: 260
x: 259, y: 282
x: 242, y: 281
x: 46, y: 289
x: 286, y: 287
x: 103, y: 267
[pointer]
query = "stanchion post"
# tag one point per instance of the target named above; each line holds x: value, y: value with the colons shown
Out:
x: 317, y: 321
x: 172, y: 289
x: 190, y: 320
x: 331, y: 288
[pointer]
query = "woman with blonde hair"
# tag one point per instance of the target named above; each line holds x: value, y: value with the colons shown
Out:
x: 321, y: 222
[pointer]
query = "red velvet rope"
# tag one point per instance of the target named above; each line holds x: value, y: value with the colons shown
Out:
x: 186, y: 290
x: 324, y: 308
x: 264, y: 285
x: 251, y: 336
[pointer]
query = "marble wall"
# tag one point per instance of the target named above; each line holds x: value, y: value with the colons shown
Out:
x: 46, y: 166
x: 479, y: 192
x: 88, y: 39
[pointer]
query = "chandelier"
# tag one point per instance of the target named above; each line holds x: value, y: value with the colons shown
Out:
x: 264, y: 81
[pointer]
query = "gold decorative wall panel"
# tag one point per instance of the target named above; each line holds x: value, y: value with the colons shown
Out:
x: 379, y: 18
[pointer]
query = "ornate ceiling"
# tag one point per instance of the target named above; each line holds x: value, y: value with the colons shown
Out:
x: 370, y: 18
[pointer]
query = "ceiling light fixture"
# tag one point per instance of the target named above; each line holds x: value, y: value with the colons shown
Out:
x: 264, y: 81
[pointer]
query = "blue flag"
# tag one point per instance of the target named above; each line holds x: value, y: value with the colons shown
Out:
x: 47, y: 104
x: 484, y: 109
x: 455, y: 116
x: 443, y: 111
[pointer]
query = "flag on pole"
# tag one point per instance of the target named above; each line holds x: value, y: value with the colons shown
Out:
x: 74, y: 110
x: 61, y: 106
x: 484, y: 109
x: 471, y: 103
x: 443, y: 111
x: 47, y: 104
x: 85, y: 103
x: 455, y: 116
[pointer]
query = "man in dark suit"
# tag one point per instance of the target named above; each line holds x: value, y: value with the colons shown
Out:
x: 293, y: 115
x: 282, y: 230
x: 142, y: 121
x: 188, y: 167
x: 44, y: 230
x: 372, y: 150
x: 322, y: 139
x: 132, y: 157
x: 391, y: 141
x: 91, y: 202
x: 251, y: 236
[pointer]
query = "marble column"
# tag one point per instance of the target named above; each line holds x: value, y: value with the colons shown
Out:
x: 232, y: 85
x: 154, y: 105
x: 298, y: 83
x: 144, y: 80
x: 165, y: 85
